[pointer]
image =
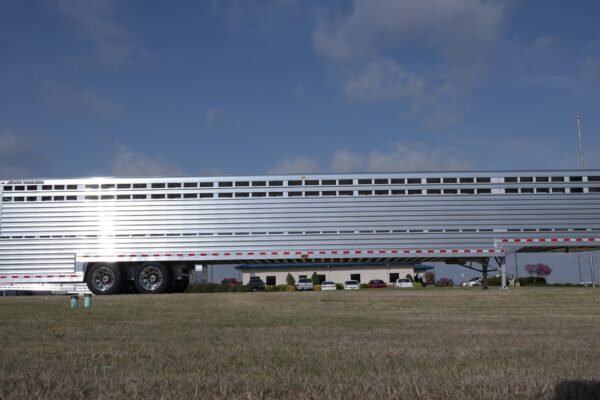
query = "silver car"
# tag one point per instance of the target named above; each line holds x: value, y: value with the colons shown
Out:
x: 305, y: 284
x: 352, y: 284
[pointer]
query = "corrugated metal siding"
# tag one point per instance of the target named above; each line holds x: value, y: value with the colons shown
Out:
x: 41, y: 229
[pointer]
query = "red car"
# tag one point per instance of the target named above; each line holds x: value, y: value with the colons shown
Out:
x: 230, y: 281
x: 376, y: 283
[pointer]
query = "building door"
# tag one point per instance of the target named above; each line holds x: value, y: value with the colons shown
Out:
x: 394, y: 277
x: 271, y: 281
x: 355, y: 277
x: 321, y: 278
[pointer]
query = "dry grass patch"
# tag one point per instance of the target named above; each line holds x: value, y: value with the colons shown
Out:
x: 416, y: 344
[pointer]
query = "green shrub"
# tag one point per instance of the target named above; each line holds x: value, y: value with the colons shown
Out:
x: 317, y: 288
x: 289, y: 279
x: 315, y: 279
x: 202, y: 288
x: 529, y: 281
x: 364, y: 286
x: 222, y: 288
x: 282, y: 288
x: 290, y: 288
x: 418, y: 285
x: 494, y: 281
x: 339, y: 286
x: 410, y: 278
x: 243, y: 288
x: 568, y: 285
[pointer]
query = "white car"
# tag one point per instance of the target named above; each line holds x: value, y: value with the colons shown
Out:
x: 328, y: 285
x: 403, y: 283
x: 354, y: 285
x: 472, y: 282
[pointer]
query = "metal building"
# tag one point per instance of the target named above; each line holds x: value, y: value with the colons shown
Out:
x: 110, y: 232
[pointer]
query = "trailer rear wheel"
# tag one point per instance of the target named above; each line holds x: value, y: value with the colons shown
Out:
x: 104, y: 279
x: 151, y: 278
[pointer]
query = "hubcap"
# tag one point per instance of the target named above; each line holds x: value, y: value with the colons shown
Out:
x: 103, y: 279
x: 151, y: 278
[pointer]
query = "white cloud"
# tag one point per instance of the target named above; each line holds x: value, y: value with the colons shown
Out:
x: 298, y: 164
x: 97, y: 21
x: 372, y: 48
x: 383, y: 80
x: 212, y: 116
x: 19, y: 155
x: 398, y: 157
x: 64, y: 99
x: 129, y: 163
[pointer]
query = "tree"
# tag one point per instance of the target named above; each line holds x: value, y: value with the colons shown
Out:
x: 538, y: 270
x: 315, y: 279
x: 428, y: 278
x: 289, y: 279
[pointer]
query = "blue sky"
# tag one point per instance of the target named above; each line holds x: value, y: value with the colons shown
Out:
x: 234, y: 87
x: 118, y: 87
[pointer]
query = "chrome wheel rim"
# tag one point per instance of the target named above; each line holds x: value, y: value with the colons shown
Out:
x: 151, y: 278
x: 103, y: 279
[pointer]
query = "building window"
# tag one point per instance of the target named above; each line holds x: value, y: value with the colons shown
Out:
x: 355, y: 277
x: 394, y: 276
x: 271, y: 280
x: 302, y: 276
x: 321, y: 278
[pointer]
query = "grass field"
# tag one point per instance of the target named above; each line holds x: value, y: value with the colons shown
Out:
x: 415, y: 344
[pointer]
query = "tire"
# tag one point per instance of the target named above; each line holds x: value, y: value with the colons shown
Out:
x: 104, y: 279
x: 179, y: 285
x: 152, y: 277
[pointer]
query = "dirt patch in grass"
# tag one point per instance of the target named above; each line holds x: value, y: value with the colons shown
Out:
x: 416, y: 344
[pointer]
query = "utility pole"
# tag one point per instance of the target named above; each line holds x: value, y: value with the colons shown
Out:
x: 583, y: 167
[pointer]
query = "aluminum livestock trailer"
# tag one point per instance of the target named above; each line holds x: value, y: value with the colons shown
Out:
x: 109, y: 233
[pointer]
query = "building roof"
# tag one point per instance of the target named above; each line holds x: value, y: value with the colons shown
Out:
x: 420, y: 267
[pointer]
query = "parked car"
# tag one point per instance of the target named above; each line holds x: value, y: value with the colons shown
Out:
x: 256, y: 283
x: 328, y: 285
x: 403, y: 283
x: 352, y: 285
x: 472, y: 282
x: 376, y: 284
x: 305, y: 284
x: 230, y: 281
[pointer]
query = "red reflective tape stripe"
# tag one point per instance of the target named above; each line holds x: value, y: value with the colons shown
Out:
x: 334, y: 252
x: 418, y: 251
x: 144, y: 255
x: 369, y: 251
x: 262, y: 253
x: 15, y: 276
x: 132, y: 255
x: 286, y: 253
x: 179, y: 254
x: 3, y: 277
x: 394, y: 251
x: 554, y: 239
x: 50, y: 276
x: 505, y: 240
x: 346, y: 252
x: 250, y: 253
x: 298, y: 252
x: 61, y: 276
x: 579, y: 239
x: 467, y: 251
x: 37, y: 276
x: 406, y: 251
x: 442, y: 251
x: 74, y: 276
x: 491, y: 251
x: 238, y: 254
x: 357, y: 251
x: 26, y: 276
x: 156, y: 255
x: 542, y: 239
x: 167, y: 254
x: 567, y: 239
x: 591, y: 239
x: 382, y: 251
x: 310, y: 252
x: 322, y: 252
x: 517, y: 240
x: 455, y: 251
x: 226, y: 254
x: 479, y: 251
x: 215, y: 254
x: 274, y: 253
